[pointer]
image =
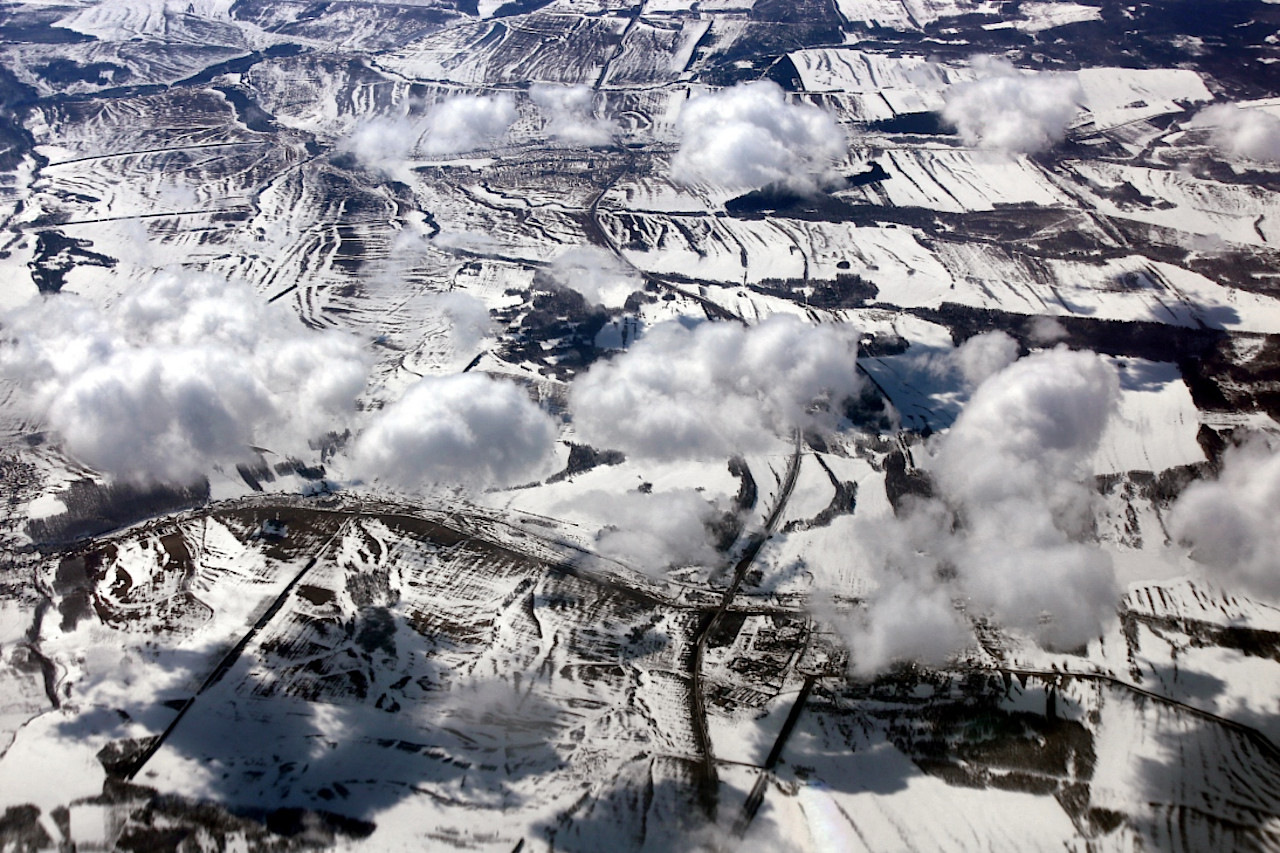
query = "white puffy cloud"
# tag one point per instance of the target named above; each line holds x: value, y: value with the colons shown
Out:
x: 967, y: 365
x: 1028, y: 428
x: 383, y: 143
x: 651, y: 531
x: 1008, y: 530
x: 1011, y: 110
x: 1230, y: 523
x: 1249, y: 133
x: 467, y: 122
x: 466, y: 428
x: 905, y: 621
x: 716, y: 389
x: 568, y: 111
x: 184, y: 373
x: 598, y: 275
x: 985, y: 355
x: 911, y: 615
x: 749, y: 136
x: 1047, y: 330
x: 166, y: 414
x: 469, y: 319
x: 1013, y: 466
x: 467, y: 242
x: 454, y: 126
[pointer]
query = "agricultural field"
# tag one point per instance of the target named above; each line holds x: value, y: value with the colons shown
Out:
x: 515, y: 425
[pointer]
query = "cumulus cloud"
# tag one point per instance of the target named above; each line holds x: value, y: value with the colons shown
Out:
x: 1047, y: 330
x: 383, y: 143
x: 911, y: 615
x: 983, y: 356
x: 454, y: 126
x: 1248, y: 133
x: 1011, y: 110
x: 717, y: 389
x: 184, y: 373
x: 969, y: 364
x: 598, y: 275
x: 467, y: 122
x: 466, y: 428
x: 652, y: 531
x: 905, y: 621
x: 569, y: 114
x: 1029, y: 428
x: 1008, y: 531
x: 1230, y: 523
x: 467, y: 242
x: 749, y: 136
x: 1014, y: 467
x: 469, y: 318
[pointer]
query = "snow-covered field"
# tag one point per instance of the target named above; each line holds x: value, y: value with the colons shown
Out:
x: 330, y: 333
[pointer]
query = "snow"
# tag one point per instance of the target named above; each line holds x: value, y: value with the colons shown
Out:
x: 952, y: 180
x: 747, y: 251
x: 876, y: 794
x: 828, y: 827
x: 50, y: 763
x: 1116, y: 96
x: 1164, y: 756
x: 88, y: 826
x: 529, y: 702
x: 912, y: 14
x: 1038, y: 17
x: 566, y: 48
x: 885, y: 85
x: 123, y: 20
x: 1156, y: 426
x: 1197, y: 601
x: 1237, y: 213
x: 45, y: 506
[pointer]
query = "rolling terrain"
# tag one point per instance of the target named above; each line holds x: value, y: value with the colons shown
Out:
x: 289, y: 652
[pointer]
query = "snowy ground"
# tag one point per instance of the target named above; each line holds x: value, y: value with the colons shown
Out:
x: 410, y: 667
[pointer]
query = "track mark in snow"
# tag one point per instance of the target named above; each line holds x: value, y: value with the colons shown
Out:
x: 708, y: 778
x: 230, y: 658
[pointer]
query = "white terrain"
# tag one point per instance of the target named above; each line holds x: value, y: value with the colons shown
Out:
x: 589, y: 426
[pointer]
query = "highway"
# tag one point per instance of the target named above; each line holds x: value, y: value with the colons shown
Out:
x: 708, y: 778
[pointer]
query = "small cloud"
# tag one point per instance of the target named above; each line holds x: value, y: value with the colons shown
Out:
x: 468, y: 122
x: 985, y: 355
x: 964, y: 367
x: 384, y: 144
x: 596, y: 274
x: 469, y: 319
x: 717, y: 389
x: 569, y: 115
x: 1230, y: 523
x: 412, y: 251
x: 463, y: 429
x: 905, y: 622
x: 652, y: 531
x: 456, y: 125
x: 1047, y: 330
x: 183, y: 374
x: 1249, y: 133
x: 1011, y: 110
x: 466, y: 242
x: 1009, y: 531
x: 749, y: 136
